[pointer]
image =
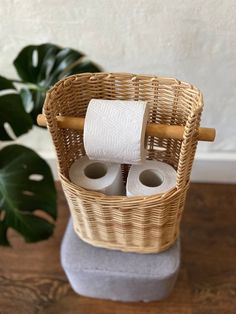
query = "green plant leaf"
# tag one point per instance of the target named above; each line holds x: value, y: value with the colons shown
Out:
x: 42, y: 66
x: 26, y: 99
x: 12, y: 111
x: 26, y: 186
x: 6, y: 84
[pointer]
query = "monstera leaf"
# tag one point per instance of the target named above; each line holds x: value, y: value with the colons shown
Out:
x: 42, y: 66
x: 12, y: 112
x: 27, y: 191
x: 27, y: 195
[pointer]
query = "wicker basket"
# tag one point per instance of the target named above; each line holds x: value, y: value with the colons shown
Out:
x: 142, y: 224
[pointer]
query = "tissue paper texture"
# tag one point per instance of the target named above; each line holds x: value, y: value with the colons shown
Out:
x: 151, y: 177
x: 98, y: 176
x: 114, y: 130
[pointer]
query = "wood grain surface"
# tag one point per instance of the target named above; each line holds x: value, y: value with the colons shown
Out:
x: 32, y: 280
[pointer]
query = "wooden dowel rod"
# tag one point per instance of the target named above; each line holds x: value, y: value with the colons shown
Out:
x: 152, y: 129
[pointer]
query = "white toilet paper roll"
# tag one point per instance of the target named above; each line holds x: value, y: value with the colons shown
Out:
x: 151, y: 177
x: 114, y: 130
x: 98, y: 176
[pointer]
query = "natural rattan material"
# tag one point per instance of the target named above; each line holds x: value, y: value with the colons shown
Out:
x: 141, y: 224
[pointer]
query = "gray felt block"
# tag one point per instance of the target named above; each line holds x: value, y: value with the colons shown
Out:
x: 108, y: 274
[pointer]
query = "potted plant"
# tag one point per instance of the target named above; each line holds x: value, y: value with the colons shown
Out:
x: 27, y: 190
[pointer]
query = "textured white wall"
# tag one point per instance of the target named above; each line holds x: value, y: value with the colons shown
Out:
x: 191, y: 40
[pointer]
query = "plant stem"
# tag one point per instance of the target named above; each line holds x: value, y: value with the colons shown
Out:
x: 16, y: 81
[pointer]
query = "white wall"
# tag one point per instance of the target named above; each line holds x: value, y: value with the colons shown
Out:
x: 193, y: 41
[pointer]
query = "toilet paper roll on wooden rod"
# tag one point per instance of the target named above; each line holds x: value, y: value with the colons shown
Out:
x: 152, y: 129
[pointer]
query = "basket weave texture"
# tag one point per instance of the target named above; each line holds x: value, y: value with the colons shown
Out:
x: 143, y: 224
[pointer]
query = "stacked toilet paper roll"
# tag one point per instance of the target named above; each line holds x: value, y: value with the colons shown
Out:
x: 151, y: 177
x: 98, y: 176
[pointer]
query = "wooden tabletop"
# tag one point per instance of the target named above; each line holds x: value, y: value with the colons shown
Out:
x: 32, y: 280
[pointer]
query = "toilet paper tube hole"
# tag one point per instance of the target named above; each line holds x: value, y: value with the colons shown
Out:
x: 95, y: 170
x: 150, y: 178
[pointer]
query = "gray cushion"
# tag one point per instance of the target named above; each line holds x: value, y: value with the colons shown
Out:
x: 115, y: 275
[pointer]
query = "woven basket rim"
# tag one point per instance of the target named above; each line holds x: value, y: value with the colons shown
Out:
x: 102, y: 196
x: 161, y: 79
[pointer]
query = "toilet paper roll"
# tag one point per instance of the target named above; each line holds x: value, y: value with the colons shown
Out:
x: 151, y: 177
x: 114, y: 130
x: 98, y: 176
